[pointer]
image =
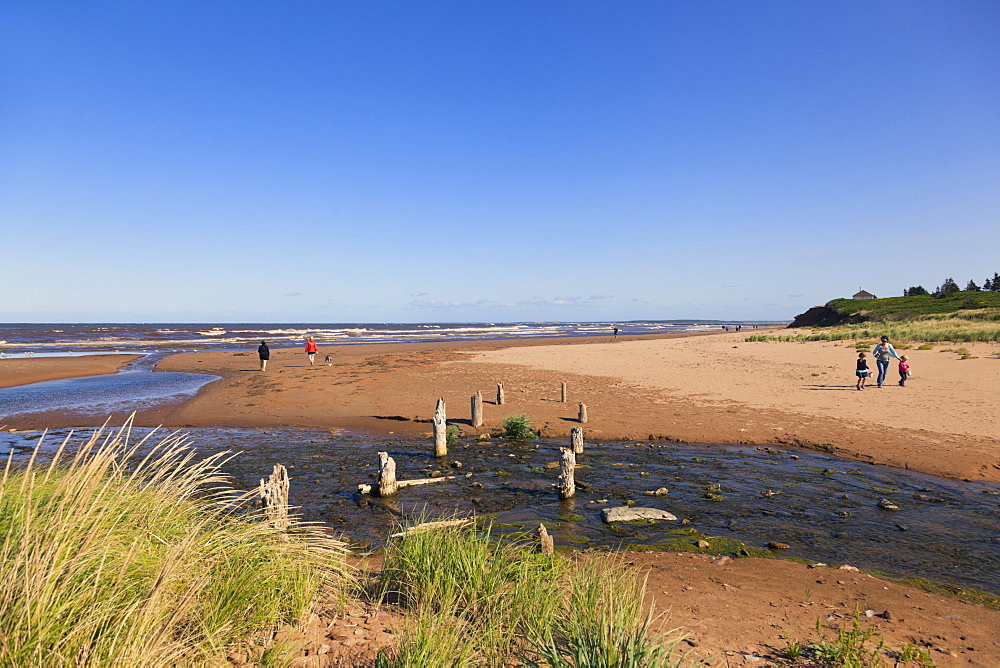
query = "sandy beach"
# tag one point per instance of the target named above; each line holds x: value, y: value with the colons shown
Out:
x: 711, y: 388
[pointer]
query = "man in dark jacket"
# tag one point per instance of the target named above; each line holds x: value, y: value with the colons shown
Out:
x: 264, y: 353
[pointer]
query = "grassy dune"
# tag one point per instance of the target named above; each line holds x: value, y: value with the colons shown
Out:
x: 964, y: 326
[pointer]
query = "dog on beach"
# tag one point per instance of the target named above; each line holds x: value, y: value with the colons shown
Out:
x: 329, y: 360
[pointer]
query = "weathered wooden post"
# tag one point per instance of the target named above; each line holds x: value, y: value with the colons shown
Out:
x: 477, y: 409
x: 387, y: 485
x: 567, y: 468
x: 440, y: 430
x: 500, y: 394
x: 562, y: 392
x: 576, y: 440
x: 545, y: 543
x: 583, y: 412
x: 274, y: 497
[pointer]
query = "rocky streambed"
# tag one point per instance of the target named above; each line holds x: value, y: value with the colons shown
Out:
x: 821, y: 507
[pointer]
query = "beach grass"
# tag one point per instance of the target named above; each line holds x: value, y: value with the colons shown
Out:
x: 492, y: 602
x: 109, y: 558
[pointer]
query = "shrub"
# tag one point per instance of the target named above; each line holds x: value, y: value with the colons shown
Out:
x: 453, y: 434
x: 517, y: 427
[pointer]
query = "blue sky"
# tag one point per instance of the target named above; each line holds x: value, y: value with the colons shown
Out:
x: 491, y: 161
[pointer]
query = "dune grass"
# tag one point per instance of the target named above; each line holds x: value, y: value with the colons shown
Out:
x: 112, y: 559
x: 472, y: 600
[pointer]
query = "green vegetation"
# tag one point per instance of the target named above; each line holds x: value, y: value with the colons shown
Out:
x: 517, y: 427
x: 474, y: 600
x: 107, y: 560
x: 907, y: 307
x: 453, y: 434
x: 966, y: 326
x: 856, y: 646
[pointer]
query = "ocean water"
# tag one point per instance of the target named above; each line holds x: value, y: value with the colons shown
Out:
x: 65, y: 339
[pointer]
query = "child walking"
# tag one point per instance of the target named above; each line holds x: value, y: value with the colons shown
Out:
x: 862, y: 371
x: 904, y: 370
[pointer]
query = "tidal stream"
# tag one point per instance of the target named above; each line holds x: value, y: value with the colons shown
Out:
x: 825, y: 508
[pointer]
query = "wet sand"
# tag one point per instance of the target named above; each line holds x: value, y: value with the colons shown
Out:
x: 25, y: 370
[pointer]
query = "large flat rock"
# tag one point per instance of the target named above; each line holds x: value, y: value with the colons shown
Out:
x: 626, y: 514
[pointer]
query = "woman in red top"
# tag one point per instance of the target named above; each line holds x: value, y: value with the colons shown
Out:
x: 311, y: 351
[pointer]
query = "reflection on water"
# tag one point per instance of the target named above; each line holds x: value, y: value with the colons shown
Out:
x: 825, y: 508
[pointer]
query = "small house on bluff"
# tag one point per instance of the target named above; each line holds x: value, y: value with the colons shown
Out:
x: 863, y: 294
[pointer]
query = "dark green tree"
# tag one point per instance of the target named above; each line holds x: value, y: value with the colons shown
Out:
x: 995, y: 283
x: 972, y: 287
x: 948, y: 287
x: 914, y: 291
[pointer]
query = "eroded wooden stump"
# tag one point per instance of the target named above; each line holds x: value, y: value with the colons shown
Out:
x: 274, y: 497
x: 545, y: 543
x: 440, y: 430
x: 567, y: 472
x: 387, y: 485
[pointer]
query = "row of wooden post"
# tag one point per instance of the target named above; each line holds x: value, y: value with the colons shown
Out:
x: 274, y: 496
x: 441, y: 426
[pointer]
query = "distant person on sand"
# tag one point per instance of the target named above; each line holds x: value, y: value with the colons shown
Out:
x: 862, y: 371
x: 882, y: 352
x: 311, y: 351
x: 264, y: 353
x: 904, y: 371
x: 616, y: 332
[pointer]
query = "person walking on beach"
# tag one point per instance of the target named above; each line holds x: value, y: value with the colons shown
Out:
x: 904, y: 371
x: 311, y: 351
x: 862, y: 371
x: 264, y: 353
x: 616, y: 332
x: 882, y: 352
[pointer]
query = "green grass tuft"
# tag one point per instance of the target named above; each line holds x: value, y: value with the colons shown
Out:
x: 498, y: 603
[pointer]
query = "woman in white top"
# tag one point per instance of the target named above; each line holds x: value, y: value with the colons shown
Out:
x: 882, y: 353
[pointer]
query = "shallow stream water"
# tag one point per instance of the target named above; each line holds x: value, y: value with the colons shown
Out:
x: 825, y: 508
x: 136, y: 386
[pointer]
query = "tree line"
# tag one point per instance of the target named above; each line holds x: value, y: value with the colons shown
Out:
x: 950, y: 286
